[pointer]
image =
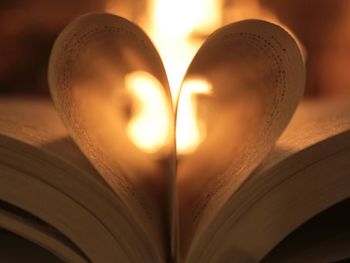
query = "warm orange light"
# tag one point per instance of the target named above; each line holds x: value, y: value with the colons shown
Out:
x: 190, y: 130
x: 176, y: 27
x: 252, y: 9
x: 149, y: 127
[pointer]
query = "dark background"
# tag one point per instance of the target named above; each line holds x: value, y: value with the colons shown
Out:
x: 28, y: 29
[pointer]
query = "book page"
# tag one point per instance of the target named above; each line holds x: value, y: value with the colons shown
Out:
x: 315, y: 120
x: 110, y: 88
x: 255, y: 76
x: 12, y: 244
x: 306, y: 173
x: 44, y: 173
x: 35, y: 121
x: 33, y: 229
x: 324, y: 238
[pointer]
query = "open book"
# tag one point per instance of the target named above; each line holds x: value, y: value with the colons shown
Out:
x: 110, y: 175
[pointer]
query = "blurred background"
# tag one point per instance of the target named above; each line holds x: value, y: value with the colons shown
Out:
x: 29, y: 28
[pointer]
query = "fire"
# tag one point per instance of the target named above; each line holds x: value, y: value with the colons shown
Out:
x: 149, y: 128
x: 190, y: 131
x: 175, y: 28
x: 178, y: 29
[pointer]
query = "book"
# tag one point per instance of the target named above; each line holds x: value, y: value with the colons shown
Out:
x: 109, y: 171
x: 324, y: 238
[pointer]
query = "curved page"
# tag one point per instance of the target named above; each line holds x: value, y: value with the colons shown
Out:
x: 110, y: 88
x: 246, y: 81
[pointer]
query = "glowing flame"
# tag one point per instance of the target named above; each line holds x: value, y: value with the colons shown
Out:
x: 176, y: 27
x: 149, y: 128
x: 190, y: 131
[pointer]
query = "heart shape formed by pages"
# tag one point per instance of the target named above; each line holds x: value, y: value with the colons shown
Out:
x: 109, y: 85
